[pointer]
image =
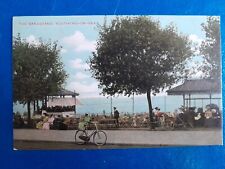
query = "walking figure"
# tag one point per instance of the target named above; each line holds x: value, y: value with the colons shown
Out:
x: 116, y: 116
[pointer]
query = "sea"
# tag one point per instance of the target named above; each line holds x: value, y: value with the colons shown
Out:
x: 131, y: 104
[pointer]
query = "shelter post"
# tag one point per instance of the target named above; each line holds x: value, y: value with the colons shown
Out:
x: 202, y: 104
x: 189, y: 100
x: 184, y: 100
x: 210, y: 98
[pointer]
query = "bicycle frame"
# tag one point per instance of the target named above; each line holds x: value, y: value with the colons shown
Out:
x: 93, y: 132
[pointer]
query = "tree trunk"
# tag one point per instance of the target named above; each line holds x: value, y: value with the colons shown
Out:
x: 34, y: 106
x: 38, y: 108
x: 28, y: 113
x: 151, y: 120
x: 42, y: 102
x: 45, y: 101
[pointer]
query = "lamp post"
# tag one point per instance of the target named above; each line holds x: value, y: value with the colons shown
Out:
x: 133, y: 104
x: 111, y: 106
x: 75, y: 100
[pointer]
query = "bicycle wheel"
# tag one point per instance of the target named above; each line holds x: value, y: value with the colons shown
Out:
x: 78, y: 135
x: 100, y: 138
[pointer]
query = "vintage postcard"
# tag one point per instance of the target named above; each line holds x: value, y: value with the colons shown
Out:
x: 104, y: 82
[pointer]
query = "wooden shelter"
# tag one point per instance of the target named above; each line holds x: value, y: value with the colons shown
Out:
x: 63, y: 98
x: 197, y: 87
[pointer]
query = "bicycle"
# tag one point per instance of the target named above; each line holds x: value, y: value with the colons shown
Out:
x: 99, y: 136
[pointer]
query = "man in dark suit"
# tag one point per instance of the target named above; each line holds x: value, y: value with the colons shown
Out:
x: 116, y: 116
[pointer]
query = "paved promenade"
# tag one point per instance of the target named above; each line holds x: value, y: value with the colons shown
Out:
x: 136, y: 137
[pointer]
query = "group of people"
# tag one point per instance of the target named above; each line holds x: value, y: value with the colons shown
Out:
x: 210, y: 117
x: 190, y: 117
x: 87, y: 119
x: 59, y: 108
x: 52, y: 122
x: 58, y: 122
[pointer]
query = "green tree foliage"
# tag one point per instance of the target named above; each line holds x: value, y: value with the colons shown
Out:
x: 136, y: 55
x: 210, y: 48
x: 38, y: 70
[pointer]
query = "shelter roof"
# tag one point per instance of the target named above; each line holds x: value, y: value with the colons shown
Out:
x: 196, y: 86
x: 64, y: 92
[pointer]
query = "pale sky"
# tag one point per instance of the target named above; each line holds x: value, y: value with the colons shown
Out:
x: 78, y: 35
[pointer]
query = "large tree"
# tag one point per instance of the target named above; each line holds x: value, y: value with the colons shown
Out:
x: 136, y: 55
x: 38, y: 70
x: 210, y: 48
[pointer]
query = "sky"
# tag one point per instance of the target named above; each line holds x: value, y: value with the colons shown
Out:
x: 78, y: 35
